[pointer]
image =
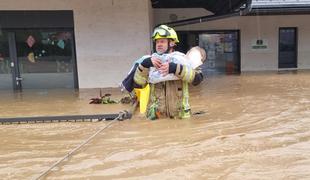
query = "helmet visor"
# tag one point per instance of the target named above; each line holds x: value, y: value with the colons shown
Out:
x: 161, y: 32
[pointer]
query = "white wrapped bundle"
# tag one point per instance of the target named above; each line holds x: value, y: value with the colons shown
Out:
x: 193, y: 58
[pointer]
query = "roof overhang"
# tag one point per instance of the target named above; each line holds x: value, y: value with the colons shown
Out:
x: 229, y: 8
x: 279, y: 7
x: 215, y: 6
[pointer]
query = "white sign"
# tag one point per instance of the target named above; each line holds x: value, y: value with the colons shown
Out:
x: 259, y: 44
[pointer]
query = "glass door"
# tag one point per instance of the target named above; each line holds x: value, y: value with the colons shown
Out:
x: 288, y: 47
x: 223, y: 54
x: 222, y: 47
x: 45, y: 58
x: 6, y: 82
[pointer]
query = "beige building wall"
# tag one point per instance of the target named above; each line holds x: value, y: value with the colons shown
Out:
x: 258, y: 27
x: 109, y: 35
x: 177, y: 14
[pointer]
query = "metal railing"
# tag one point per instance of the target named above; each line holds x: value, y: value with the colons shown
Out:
x: 67, y: 118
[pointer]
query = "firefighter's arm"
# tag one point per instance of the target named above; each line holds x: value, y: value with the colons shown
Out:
x: 186, y: 73
x: 142, y: 72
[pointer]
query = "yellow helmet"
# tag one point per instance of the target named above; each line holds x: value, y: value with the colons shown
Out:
x: 164, y: 31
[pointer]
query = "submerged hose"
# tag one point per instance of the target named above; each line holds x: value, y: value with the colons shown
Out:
x: 122, y: 115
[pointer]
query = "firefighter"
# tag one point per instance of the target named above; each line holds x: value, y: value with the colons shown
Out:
x: 169, y: 98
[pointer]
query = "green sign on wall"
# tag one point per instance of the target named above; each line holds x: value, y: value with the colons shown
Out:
x: 259, y: 44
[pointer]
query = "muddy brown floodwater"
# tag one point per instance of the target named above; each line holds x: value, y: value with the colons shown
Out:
x: 254, y: 126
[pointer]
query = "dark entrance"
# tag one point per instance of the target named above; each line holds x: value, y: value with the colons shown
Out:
x: 288, y: 47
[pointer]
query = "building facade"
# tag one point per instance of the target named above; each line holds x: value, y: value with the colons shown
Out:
x: 72, y: 43
x: 78, y: 44
x: 252, y: 43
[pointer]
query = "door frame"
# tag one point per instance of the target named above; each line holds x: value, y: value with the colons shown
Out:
x: 14, y: 64
x: 296, y: 47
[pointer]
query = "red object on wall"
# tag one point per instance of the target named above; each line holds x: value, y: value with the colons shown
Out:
x: 230, y: 67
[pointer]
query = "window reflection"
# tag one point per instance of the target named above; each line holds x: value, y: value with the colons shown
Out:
x: 287, y: 40
x: 4, y: 54
x: 222, y: 52
x: 5, y: 63
x: 40, y: 51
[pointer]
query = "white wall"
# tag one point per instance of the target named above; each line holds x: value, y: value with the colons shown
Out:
x: 110, y: 35
x: 258, y: 27
x: 267, y: 27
